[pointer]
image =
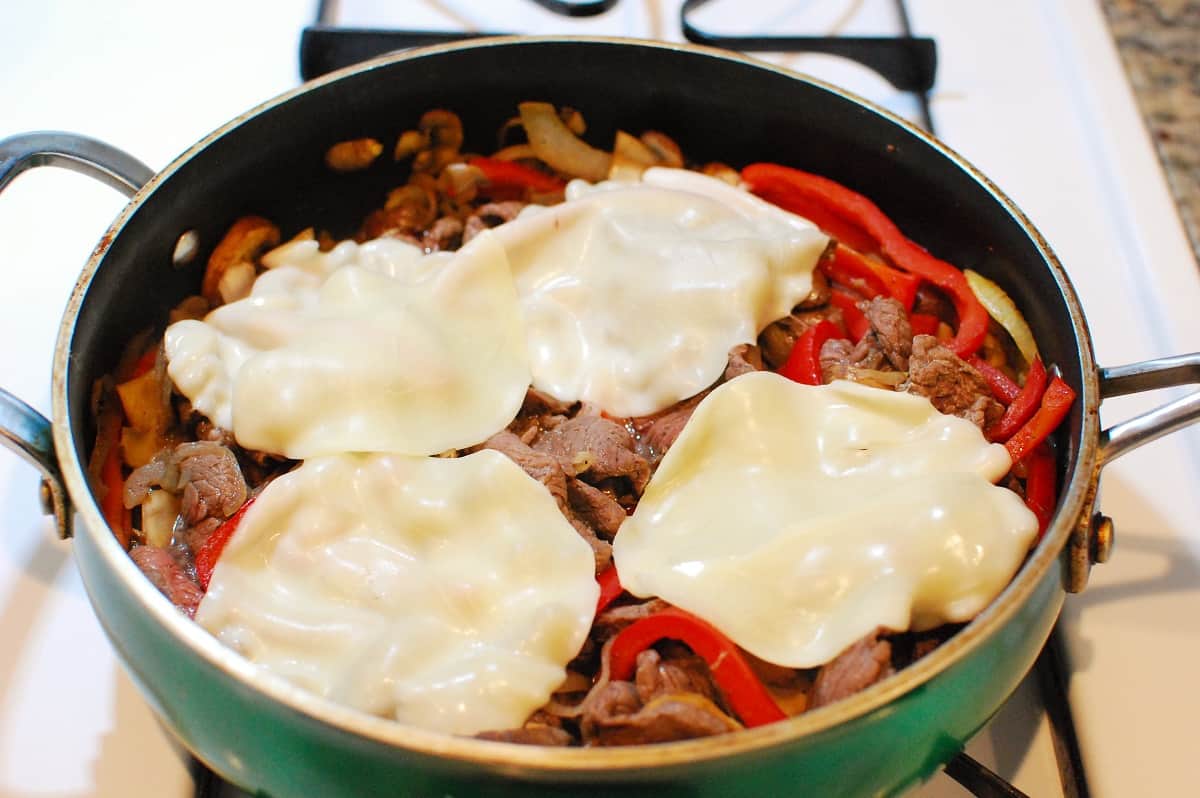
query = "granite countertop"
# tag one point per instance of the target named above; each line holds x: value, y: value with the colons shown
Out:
x: 1159, y: 42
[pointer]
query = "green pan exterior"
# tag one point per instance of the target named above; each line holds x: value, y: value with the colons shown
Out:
x: 267, y: 748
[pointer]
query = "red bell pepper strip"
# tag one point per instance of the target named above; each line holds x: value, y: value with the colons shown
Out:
x: 794, y: 190
x: 850, y: 269
x: 610, y: 587
x: 901, y: 285
x: 869, y: 276
x: 817, y: 212
x: 924, y: 324
x: 1023, y: 406
x: 144, y: 363
x: 1041, y: 486
x: 112, y: 505
x: 856, y: 323
x: 804, y: 361
x: 743, y: 691
x: 210, y: 550
x: 1003, y: 388
x: 510, y: 176
x: 1056, y: 403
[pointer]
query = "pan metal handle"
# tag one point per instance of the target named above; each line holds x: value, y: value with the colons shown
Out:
x: 1092, y: 539
x: 1148, y: 376
x: 23, y: 429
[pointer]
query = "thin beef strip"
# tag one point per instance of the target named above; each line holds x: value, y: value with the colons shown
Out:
x: 530, y: 734
x: 546, y: 469
x: 820, y: 293
x: 595, y: 448
x: 597, y: 509
x: 686, y: 673
x: 167, y: 574
x: 950, y: 383
x: 540, y: 403
x: 539, y: 412
x: 444, y: 235
x: 743, y: 359
x: 840, y: 358
x: 539, y: 465
x: 211, y: 481
x: 207, y: 475
x: 656, y: 433
x: 779, y: 337
x: 932, y: 302
x: 615, y: 715
x: 490, y: 215
x: 891, y: 329
x: 857, y: 668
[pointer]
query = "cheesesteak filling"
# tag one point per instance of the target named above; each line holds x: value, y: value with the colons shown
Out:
x: 626, y: 459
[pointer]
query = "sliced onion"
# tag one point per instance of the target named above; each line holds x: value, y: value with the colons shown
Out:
x: 514, y: 152
x: 1000, y: 307
x: 876, y: 378
x: 554, y: 143
x: 630, y: 158
x: 159, y: 513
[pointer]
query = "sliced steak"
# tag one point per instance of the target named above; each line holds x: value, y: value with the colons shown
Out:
x: 599, y: 510
x: 490, y: 215
x: 211, y: 481
x: 614, y: 619
x: 195, y: 536
x: 820, y: 293
x: 530, y: 734
x: 615, y: 715
x: 743, y: 359
x: 855, y: 669
x: 840, y: 358
x: 546, y: 469
x: 950, y: 383
x: 595, y: 448
x: 891, y: 329
x: 931, y: 302
x: 169, y: 576
x: 656, y: 676
x: 444, y: 235
x: 539, y: 412
x: 601, y: 549
x: 540, y: 403
x: 656, y: 433
x: 779, y: 337
x: 539, y: 465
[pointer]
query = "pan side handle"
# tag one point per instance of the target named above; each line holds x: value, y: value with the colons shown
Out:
x: 1149, y: 375
x: 1093, y: 537
x: 23, y: 429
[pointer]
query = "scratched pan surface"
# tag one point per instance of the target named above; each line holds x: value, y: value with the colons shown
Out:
x: 265, y: 736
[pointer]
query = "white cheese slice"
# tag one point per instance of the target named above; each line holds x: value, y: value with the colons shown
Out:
x: 370, y: 347
x: 797, y: 519
x: 445, y: 593
x: 633, y: 294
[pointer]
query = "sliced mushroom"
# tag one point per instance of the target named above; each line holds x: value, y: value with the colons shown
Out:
x: 249, y: 237
x: 352, y: 156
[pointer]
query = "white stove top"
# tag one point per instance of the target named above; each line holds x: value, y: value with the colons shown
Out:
x: 1031, y: 92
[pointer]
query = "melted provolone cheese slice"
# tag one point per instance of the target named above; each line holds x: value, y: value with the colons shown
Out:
x: 445, y: 593
x: 633, y: 294
x: 797, y: 519
x: 370, y: 347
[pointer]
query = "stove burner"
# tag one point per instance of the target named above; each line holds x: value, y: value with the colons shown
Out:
x: 907, y: 62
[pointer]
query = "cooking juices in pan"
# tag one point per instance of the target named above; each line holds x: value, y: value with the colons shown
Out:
x: 572, y: 445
